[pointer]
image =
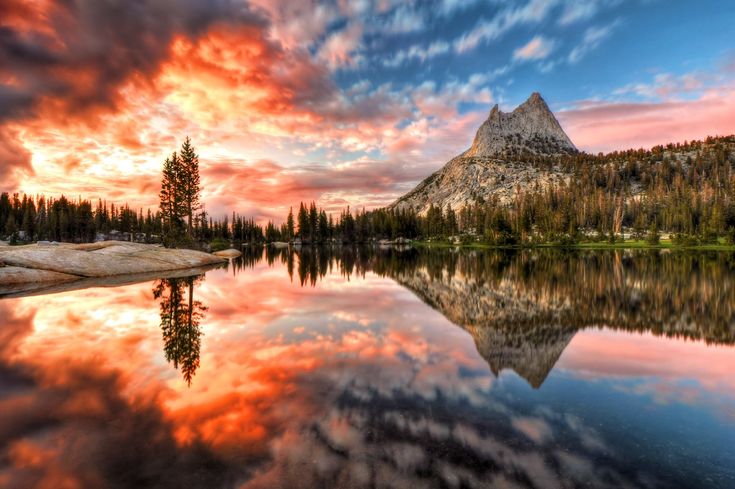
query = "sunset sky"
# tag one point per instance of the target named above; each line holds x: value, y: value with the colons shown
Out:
x: 341, y: 102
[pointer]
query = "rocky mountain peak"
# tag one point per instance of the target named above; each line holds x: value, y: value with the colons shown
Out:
x: 536, y: 98
x: 498, y: 162
x: 531, y: 127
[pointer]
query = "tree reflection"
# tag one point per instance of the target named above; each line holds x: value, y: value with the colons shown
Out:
x: 679, y: 294
x: 180, y: 318
x: 522, y: 307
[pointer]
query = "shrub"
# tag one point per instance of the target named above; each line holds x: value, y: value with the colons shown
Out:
x: 653, y: 238
x: 219, y: 244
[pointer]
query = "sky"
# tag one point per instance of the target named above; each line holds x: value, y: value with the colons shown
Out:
x: 339, y: 102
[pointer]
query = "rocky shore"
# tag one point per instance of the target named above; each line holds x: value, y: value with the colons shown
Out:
x: 39, y: 266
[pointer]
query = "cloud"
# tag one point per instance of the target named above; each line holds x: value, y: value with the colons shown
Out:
x: 486, y: 30
x: 593, y: 36
x: 608, y: 126
x: 404, y: 20
x: 81, y: 53
x: 341, y: 47
x: 449, y: 7
x: 537, y: 48
x: 71, y: 61
x: 417, y: 52
x: 301, y: 23
x: 15, y: 160
x: 666, y: 85
x: 580, y: 10
x: 577, y: 10
x: 266, y: 189
x: 536, y: 429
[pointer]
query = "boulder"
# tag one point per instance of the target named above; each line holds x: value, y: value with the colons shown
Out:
x: 228, y: 253
x: 104, y: 259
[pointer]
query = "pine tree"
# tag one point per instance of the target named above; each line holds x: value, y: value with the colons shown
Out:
x: 313, y: 222
x: 323, y: 226
x: 190, y: 182
x: 171, y: 201
x: 451, y: 222
x: 303, y: 219
x: 289, y: 225
x: 11, y: 228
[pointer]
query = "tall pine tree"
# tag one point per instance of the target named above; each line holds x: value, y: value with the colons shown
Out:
x: 190, y: 182
x: 290, y: 225
x: 172, y: 200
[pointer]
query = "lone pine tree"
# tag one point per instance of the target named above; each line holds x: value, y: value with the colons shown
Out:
x: 179, y: 197
x: 191, y: 185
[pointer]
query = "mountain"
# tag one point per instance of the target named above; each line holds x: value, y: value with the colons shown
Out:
x: 498, y: 160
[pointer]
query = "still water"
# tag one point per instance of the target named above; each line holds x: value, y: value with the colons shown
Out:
x: 379, y: 368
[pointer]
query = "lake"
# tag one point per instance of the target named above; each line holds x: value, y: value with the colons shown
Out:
x: 380, y: 368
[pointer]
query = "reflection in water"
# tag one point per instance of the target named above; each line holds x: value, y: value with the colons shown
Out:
x: 180, y: 318
x: 327, y: 368
x: 523, y: 308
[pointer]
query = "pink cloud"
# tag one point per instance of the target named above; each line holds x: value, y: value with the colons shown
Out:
x: 537, y: 48
x: 608, y: 126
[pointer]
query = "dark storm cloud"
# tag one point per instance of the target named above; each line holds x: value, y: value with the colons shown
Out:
x: 82, y: 51
x: 68, y: 59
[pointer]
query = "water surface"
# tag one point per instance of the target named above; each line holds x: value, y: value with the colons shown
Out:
x: 379, y: 368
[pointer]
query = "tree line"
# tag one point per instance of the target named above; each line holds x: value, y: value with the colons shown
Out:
x: 686, y: 189
x: 28, y: 218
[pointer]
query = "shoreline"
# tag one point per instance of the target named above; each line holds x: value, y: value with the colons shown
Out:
x: 587, y: 245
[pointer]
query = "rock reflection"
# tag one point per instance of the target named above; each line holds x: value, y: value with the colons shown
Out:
x: 180, y: 322
x: 522, y: 308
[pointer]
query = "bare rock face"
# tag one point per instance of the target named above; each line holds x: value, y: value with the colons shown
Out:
x: 531, y: 127
x: 497, y: 162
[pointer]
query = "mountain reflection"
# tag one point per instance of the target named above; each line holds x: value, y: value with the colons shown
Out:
x: 180, y: 318
x: 522, y: 308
